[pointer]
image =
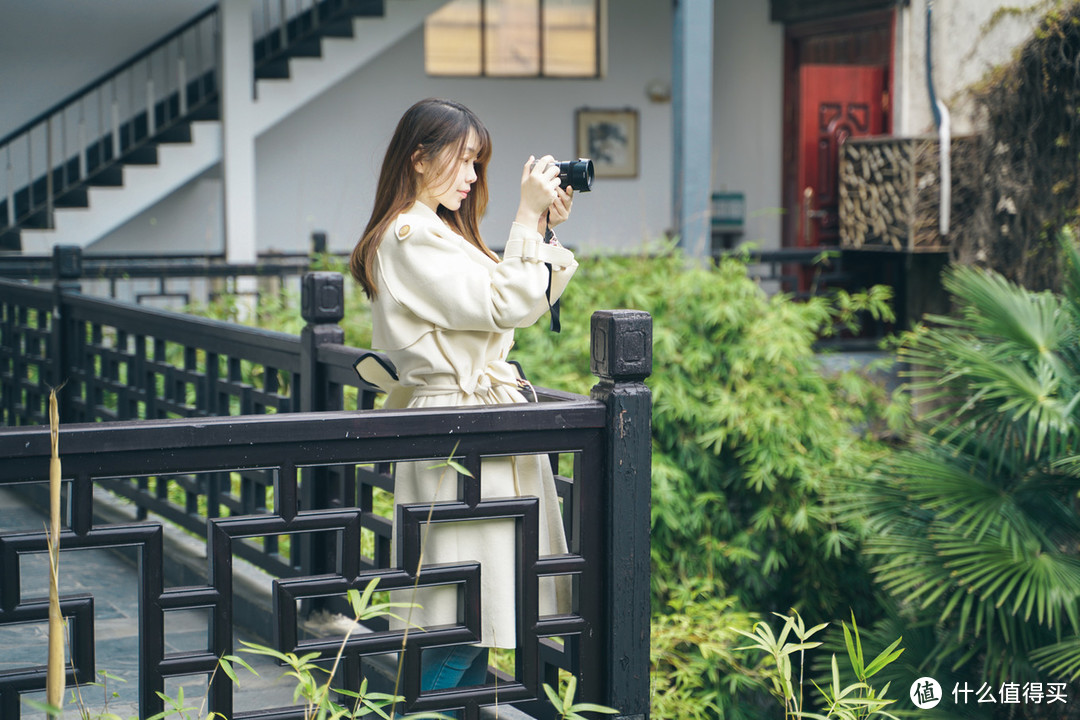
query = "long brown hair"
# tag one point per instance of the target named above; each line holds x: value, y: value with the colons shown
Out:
x: 425, y: 130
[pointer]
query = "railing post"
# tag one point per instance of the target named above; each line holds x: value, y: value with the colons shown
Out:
x: 322, y: 305
x: 621, y: 356
x: 67, y: 269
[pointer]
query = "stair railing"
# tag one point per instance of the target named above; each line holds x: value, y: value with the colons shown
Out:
x: 120, y: 116
x: 110, y: 118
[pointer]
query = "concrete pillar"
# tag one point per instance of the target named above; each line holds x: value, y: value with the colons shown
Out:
x: 692, y: 119
x: 237, y: 84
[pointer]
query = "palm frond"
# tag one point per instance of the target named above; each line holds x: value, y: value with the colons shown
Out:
x: 1023, y: 321
x: 1060, y: 659
x: 966, y: 495
x: 1032, y: 580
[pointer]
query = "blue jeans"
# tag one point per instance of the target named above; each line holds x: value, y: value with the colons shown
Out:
x: 454, y: 666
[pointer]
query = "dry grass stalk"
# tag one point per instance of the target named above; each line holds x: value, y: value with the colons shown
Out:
x: 54, y: 684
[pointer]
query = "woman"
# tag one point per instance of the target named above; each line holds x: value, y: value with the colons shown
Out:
x: 444, y: 309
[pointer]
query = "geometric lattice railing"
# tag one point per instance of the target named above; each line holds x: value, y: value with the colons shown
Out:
x: 320, y: 482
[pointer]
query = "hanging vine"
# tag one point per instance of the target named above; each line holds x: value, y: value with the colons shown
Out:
x: 1026, y: 184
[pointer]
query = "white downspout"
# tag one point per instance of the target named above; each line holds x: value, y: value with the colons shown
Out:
x: 941, y: 119
x: 945, y: 159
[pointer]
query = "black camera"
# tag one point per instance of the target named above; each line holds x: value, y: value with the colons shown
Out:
x: 577, y: 174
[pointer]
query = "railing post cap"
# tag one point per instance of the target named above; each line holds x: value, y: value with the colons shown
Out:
x: 621, y: 345
x: 322, y: 297
x: 67, y: 262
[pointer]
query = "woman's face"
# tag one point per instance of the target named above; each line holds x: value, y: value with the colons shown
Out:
x: 447, y: 180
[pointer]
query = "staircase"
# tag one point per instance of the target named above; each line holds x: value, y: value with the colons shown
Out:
x: 143, y: 130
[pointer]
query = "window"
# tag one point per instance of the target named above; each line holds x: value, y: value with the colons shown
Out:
x: 514, y: 38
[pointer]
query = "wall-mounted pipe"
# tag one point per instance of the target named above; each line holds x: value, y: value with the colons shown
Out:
x: 942, y: 120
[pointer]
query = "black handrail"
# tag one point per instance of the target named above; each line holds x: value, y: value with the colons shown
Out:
x: 70, y: 99
x: 316, y: 463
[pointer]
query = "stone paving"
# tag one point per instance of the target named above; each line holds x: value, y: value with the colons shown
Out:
x: 112, y: 580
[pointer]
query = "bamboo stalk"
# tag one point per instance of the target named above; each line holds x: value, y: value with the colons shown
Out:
x: 54, y: 683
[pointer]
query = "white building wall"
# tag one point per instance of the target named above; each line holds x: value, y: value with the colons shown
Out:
x: 317, y: 169
x: 190, y: 222
x: 969, y: 39
x: 748, y: 103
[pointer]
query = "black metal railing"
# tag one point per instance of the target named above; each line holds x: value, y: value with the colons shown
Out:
x: 312, y: 477
x: 119, y: 361
x: 181, y: 279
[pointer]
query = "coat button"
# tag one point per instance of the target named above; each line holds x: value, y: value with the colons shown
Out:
x: 403, y: 231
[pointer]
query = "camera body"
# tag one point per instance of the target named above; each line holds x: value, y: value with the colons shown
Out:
x: 576, y: 174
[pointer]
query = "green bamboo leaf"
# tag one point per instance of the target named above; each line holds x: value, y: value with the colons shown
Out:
x: 226, y: 667
x: 855, y: 655
x: 241, y: 661
x: 792, y: 647
x: 568, y: 698
x: 592, y: 707
x: 835, y: 677
x: 459, y: 467
x: 41, y: 706
x: 362, y: 602
x: 885, y: 657
x: 553, y: 696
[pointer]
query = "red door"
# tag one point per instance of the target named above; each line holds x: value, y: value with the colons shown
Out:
x: 835, y: 102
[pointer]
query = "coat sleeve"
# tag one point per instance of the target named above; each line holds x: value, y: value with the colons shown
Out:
x: 427, y: 269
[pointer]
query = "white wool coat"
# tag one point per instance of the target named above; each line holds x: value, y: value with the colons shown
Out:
x: 445, y: 315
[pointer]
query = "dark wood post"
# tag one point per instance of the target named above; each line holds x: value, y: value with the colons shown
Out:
x: 322, y: 305
x: 622, y: 359
x: 67, y: 269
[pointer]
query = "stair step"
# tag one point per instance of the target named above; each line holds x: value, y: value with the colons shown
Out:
x: 142, y: 155
x: 364, y: 8
x: 36, y: 221
x: 111, y: 176
x: 310, y: 47
x: 10, y: 240
x: 76, y: 197
x: 273, y: 70
x: 339, y: 28
x: 179, y: 133
x: 304, y: 34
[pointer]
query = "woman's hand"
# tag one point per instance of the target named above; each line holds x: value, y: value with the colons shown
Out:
x: 539, y: 189
x: 560, y: 209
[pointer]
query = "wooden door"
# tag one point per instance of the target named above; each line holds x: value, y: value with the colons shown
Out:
x: 835, y: 102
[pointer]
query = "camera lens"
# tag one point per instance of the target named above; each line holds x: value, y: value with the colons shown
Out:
x: 577, y: 174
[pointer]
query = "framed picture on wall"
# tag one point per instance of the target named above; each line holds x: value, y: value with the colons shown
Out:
x: 610, y: 139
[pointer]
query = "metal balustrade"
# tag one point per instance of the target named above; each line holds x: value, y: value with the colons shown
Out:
x: 143, y: 386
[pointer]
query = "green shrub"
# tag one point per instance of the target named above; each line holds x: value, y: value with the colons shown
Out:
x: 746, y: 427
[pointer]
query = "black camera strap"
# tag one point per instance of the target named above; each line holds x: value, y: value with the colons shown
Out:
x: 556, y: 326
